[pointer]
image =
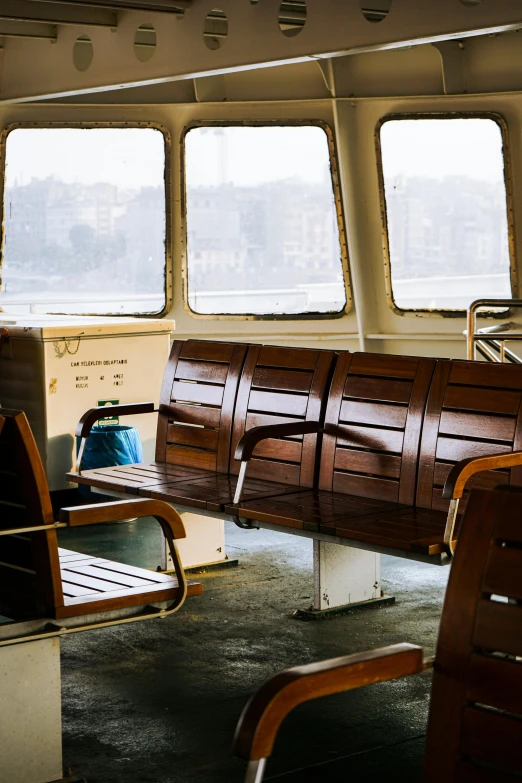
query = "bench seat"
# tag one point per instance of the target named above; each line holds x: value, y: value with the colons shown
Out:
x: 179, y: 485
x: 365, y: 522
x: 93, y: 584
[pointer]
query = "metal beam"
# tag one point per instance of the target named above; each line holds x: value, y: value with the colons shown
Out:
x: 254, y: 38
x: 56, y: 13
x: 160, y: 6
x: 29, y: 30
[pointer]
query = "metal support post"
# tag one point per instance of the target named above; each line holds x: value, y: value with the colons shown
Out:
x: 344, y: 579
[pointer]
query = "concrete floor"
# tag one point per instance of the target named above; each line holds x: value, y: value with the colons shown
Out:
x: 159, y: 701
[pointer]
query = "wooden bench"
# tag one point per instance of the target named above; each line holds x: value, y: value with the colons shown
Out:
x: 212, y: 392
x: 40, y: 580
x: 370, y: 451
x: 475, y: 716
x: 402, y: 437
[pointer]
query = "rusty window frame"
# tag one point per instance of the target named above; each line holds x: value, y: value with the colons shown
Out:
x: 168, y: 276
x: 447, y: 115
x: 339, y: 208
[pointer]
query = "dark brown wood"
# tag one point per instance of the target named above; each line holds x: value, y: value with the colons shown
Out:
x: 32, y: 581
x: 303, y: 375
x: 371, y: 411
x: 475, y: 718
x: 473, y: 411
x: 3, y: 338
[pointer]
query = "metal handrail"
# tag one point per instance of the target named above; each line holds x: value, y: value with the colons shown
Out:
x: 473, y: 338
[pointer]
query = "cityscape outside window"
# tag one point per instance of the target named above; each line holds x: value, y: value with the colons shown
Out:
x: 262, y: 228
x: 446, y: 209
x: 84, y: 218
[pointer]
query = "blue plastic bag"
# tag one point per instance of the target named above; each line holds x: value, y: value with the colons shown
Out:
x: 107, y: 445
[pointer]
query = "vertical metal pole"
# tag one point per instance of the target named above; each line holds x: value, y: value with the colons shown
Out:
x: 255, y: 771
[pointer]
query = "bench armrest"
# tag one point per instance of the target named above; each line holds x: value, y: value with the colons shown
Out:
x: 250, y: 440
x: 168, y: 517
x: 263, y: 715
x: 90, y: 417
x: 463, y: 470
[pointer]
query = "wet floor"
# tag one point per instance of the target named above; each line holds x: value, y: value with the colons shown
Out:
x: 158, y: 701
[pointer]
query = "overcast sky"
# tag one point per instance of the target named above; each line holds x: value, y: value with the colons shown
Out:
x: 127, y: 157
x: 134, y: 157
x: 436, y: 148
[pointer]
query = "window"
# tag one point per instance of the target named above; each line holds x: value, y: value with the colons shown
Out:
x: 262, y: 222
x: 85, y: 221
x: 446, y: 211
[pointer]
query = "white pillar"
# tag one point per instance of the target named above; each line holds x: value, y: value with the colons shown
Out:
x: 31, y: 713
x: 344, y: 575
x: 204, y: 544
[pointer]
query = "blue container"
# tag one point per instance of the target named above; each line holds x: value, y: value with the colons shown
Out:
x: 107, y: 445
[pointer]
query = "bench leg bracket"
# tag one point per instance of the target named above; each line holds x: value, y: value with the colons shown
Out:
x: 345, y: 578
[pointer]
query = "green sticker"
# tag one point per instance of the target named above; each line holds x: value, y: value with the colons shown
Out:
x: 108, y: 420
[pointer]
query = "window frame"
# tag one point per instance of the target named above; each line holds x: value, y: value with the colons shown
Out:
x: 501, y: 122
x: 167, y: 179
x: 339, y: 209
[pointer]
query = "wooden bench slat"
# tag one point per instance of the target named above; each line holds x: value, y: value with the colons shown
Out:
x: 373, y: 413
x: 203, y: 393
x: 494, y: 682
x: 504, y: 575
x: 368, y: 462
x: 469, y: 424
x: 192, y: 436
x: 495, y: 376
x: 370, y: 438
x: 454, y: 449
x: 492, y: 738
x: 271, y: 402
x: 384, y: 365
x: 211, y: 372
x: 377, y: 389
x: 296, y: 358
x: 282, y: 380
x: 185, y: 456
x: 482, y: 400
x: 498, y: 627
x: 207, y: 350
x: 195, y: 414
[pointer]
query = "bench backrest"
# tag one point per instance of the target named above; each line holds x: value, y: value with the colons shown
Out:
x: 474, y: 409
x: 197, y: 404
x: 475, y: 724
x: 280, y: 385
x: 373, y: 425
x: 30, y: 583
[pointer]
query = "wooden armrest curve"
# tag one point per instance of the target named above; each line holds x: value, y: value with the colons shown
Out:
x: 463, y: 470
x: 250, y: 439
x: 119, y: 510
x: 263, y: 715
x: 91, y: 416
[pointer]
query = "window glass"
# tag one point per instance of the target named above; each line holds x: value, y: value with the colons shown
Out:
x: 262, y: 229
x: 447, y: 212
x: 84, y: 217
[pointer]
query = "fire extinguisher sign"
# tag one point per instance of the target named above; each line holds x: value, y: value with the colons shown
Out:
x: 108, y: 420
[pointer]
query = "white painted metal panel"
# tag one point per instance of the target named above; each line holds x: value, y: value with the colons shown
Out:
x: 56, y: 370
x: 30, y: 717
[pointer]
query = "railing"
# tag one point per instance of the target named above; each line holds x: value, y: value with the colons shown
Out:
x: 490, y: 342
